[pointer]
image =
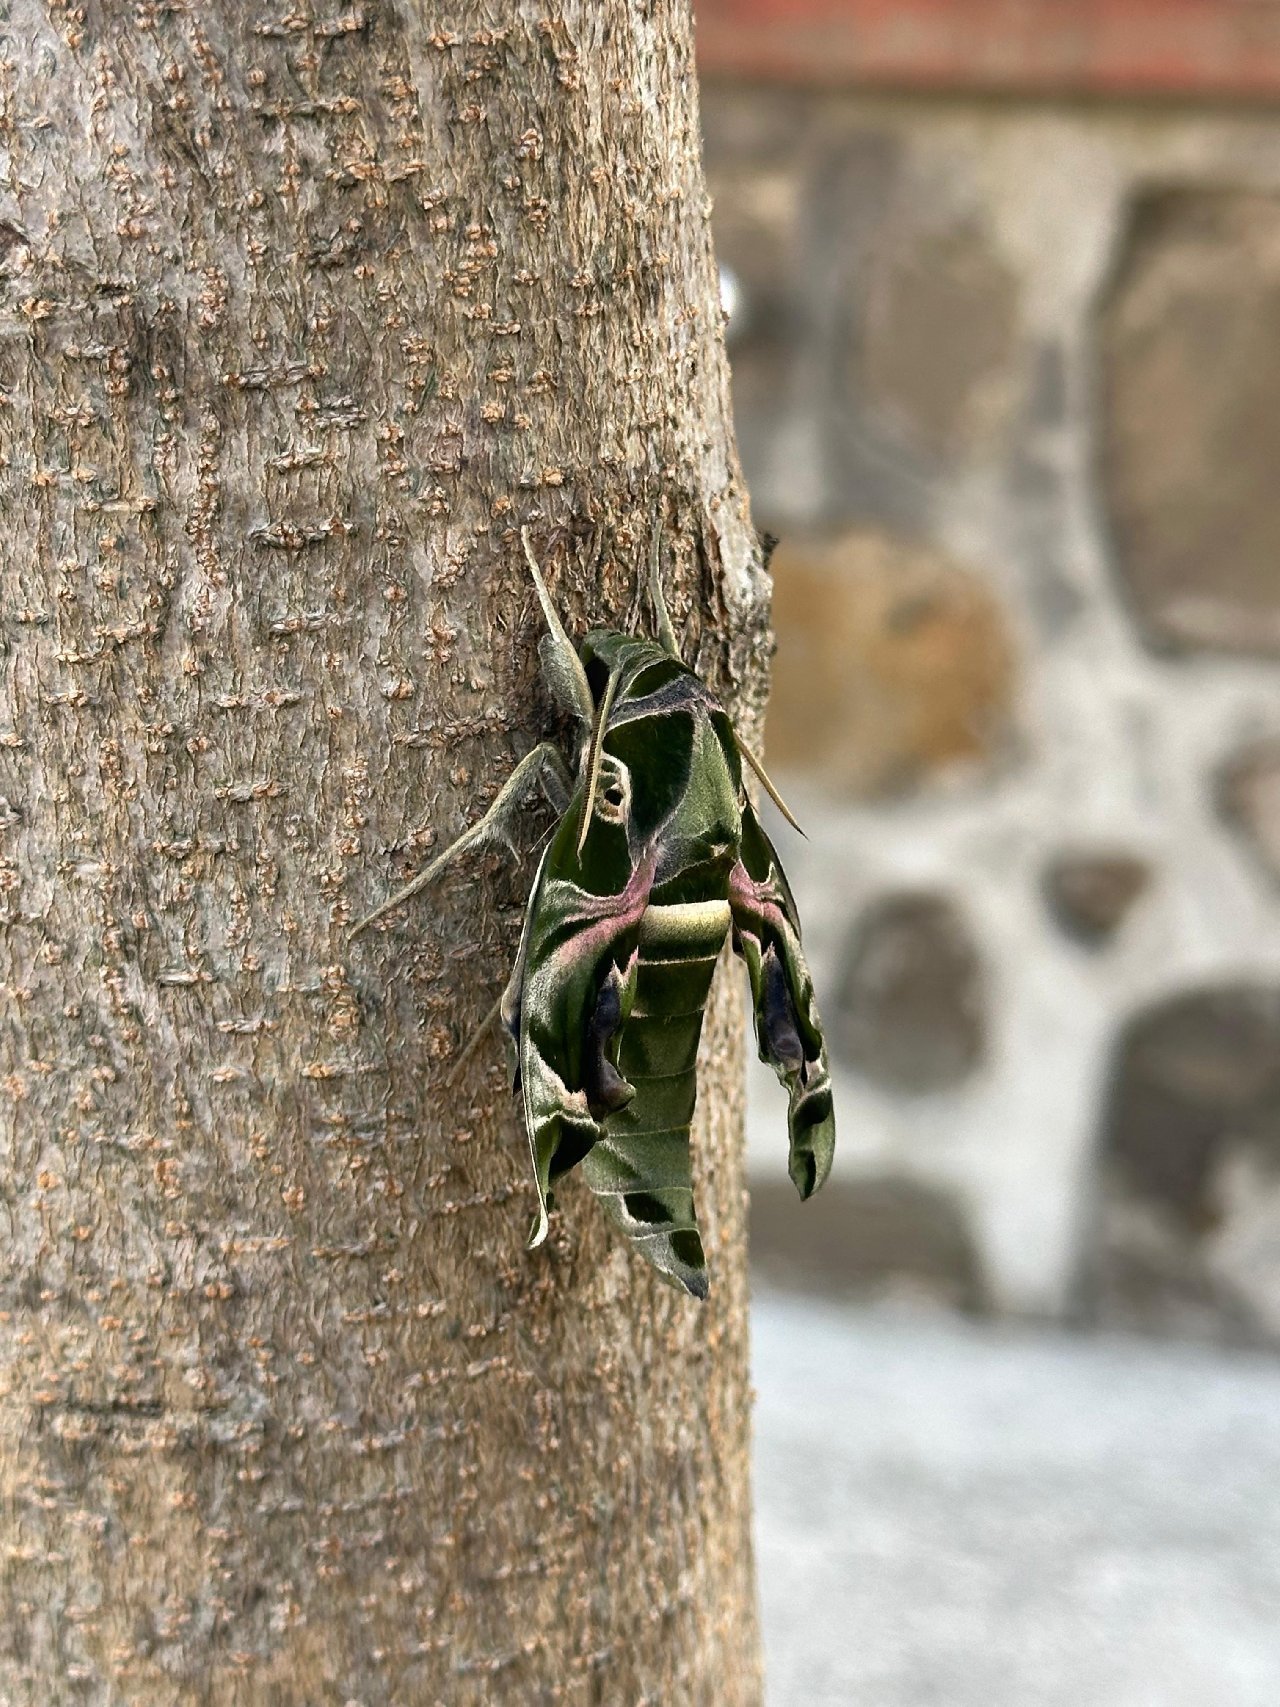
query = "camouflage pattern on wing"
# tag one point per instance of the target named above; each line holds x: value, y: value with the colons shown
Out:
x: 657, y: 857
x: 766, y: 933
x: 570, y: 990
x: 621, y: 941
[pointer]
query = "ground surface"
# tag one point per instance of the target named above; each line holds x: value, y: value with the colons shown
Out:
x: 961, y: 1515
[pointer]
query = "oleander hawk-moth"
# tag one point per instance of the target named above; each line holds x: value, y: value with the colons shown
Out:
x: 657, y: 857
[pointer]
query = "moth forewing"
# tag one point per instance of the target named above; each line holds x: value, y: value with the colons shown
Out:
x: 642, y: 1167
x: 576, y: 938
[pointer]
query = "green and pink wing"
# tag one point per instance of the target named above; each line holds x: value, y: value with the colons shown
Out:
x: 766, y: 933
x: 568, y: 999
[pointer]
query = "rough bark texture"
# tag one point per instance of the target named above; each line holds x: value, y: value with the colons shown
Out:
x: 302, y: 312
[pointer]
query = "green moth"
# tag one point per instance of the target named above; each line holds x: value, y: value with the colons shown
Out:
x: 657, y: 858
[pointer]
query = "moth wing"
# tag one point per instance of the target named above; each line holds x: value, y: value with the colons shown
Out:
x: 642, y: 1175
x: 766, y: 933
x: 557, y: 1125
x: 565, y: 1005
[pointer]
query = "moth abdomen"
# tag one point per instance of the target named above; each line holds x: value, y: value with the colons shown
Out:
x: 672, y: 989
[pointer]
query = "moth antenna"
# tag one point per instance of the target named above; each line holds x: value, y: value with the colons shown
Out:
x: 561, y: 663
x: 666, y: 633
x: 593, y: 763
x: 766, y: 784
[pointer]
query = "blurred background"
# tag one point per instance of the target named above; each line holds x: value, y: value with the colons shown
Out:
x: 1004, y: 290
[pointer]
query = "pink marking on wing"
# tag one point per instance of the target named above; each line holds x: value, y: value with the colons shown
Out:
x: 759, y: 900
x: 604, y: 918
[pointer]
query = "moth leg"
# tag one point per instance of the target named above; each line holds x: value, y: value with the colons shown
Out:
x: 544, y: 760
x: 557, y: 783
x: 477, y: 1038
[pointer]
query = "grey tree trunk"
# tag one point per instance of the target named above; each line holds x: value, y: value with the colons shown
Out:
x: 302, y: 312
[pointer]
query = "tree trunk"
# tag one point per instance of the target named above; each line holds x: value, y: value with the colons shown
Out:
x: 304, y: 311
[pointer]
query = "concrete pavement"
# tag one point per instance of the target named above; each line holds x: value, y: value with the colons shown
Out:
x: 959, y: 1514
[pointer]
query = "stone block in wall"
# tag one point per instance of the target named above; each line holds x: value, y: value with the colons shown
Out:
x: 759, y: 217
x: 1189, y: 1202
x: 939, y: 336
x: 872, y: 1237
x: 895, y: 666
x: 1249, y: 799
x: 1091, y: 894
x: 910, y: 1012
x: 1189, y: 344
x: 797, y: 203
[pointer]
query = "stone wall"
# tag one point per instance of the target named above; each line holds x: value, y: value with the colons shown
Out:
x: 1007, y: 380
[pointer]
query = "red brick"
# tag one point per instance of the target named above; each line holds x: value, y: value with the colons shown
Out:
x: 1215, y: 48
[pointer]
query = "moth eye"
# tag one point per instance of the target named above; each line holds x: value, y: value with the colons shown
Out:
x: 615, y: 791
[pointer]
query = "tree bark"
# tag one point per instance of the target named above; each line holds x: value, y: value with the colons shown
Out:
x: 303, y: 311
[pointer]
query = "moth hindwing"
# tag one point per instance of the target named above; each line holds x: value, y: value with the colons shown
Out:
x: 657, y: 859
